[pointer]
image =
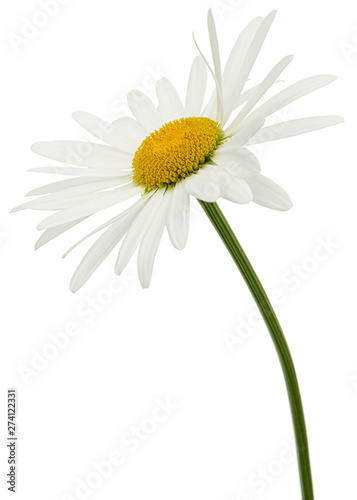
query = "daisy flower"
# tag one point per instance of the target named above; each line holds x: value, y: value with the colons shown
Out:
x: 168, y: 152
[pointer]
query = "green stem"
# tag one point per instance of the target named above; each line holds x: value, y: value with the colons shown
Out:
x: 221, y: 225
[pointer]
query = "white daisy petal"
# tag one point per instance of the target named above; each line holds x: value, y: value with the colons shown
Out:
x: 237, y: 161
x: 150, y: 244
x: 294, y: 127
x: 236, y: 101
x: 169, y: 101
x: 196, y: 87
x: 101, y: 249
x: 144, y: 111
x: 260, y: 90
x: 137, y: 231
x: 98, y: 201
x: 231, y: 188
x: 289, y: 95
x: 93, y: 124
x: 246, y: 131
x: 216, y: 63
x: 203, y: 186
x: 82, y: 172
x: 235, y: 61
x: 71, y: 196
x: 178, y: 215
x: 249, y: 59
x: 141, y: 202
x: 53, y: 232
x: 247, y: 94
x: 244, y: 97
x: 85, y: 154
x: 130, y: 134
x: 232, y: 71
x: 210, y: 110
x: 125, y: 133
x: 238, y: 191
x: 268, y: 194
x: 54, y: 187
x: 240, y: 47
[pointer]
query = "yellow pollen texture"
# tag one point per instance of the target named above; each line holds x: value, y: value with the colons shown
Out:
x: 175, y: 151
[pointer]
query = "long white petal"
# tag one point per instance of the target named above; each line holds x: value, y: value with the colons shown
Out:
x: 178, y: 215
x: 240, y: 48
x: 260, y: 91
x: 268, y: 194
x: 169, y: 101
x: 234, y: 63
x: 144, y: 111
x: 86, y: 154
x: 289, y: 95
x: 150, y: 244
x: 53, y: 232
x: 101, y: 249
x: 82, y: 171
x: 71, y: 196
x: 236, y: 101
x: 294, y: 127
x: 137, y: 231
x: 216, y: 63
x: 247, y: 94
x: 54, y: 187
x: 125, y: 133
x: 250, y: 57
x: 247, y: 130
x: 196, y: 87
x: 212, y: 110
x: 140, y: 202
x: 98, y: 201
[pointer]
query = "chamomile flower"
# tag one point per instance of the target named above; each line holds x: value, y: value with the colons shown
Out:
x: 168, y: 152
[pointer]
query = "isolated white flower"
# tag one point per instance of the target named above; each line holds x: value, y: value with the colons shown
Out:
x: 169, y: 152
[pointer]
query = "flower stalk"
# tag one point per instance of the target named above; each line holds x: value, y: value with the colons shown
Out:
x: 233, y: 246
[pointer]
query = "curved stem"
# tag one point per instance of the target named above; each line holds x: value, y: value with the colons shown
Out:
x: 229, y: 239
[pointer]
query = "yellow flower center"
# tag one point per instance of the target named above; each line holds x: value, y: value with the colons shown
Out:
x: 175, y: 151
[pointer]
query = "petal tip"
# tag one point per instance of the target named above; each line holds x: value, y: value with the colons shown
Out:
x: 76, y: 115
x: 75, y: 285
x: 35, y: 146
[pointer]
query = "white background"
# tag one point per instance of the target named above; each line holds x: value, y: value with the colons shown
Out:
x: 134, y: 346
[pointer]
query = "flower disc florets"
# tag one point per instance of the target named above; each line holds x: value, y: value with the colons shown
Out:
x: 175, y: 151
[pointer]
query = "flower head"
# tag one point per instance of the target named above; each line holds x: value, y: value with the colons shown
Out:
x: 164, y: 154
